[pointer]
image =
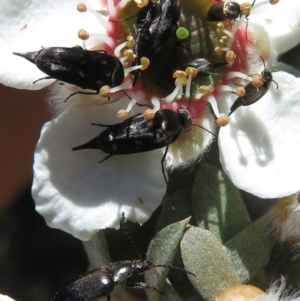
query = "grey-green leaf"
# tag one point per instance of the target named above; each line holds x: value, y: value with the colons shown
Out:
x: 250, y: 249
x: 203, y: 255
x: 176, y: 207
x: 162, y: 250
x: 217, y: 204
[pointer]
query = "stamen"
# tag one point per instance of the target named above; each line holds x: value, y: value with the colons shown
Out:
x: 81, y: 7
x: 83, y: 34
x: 213, y: 102
x: 96, y: 39
x: 148, y: 114
x: 274, y: 2
x: 156, y: 104
x: 111, y: 8
x: 118, y: 49
x: 105, y: 91
x: 203, y: 90
x: 222, y: 121
x: 129, y: 55
x: 175, y: 92
x: 229, y: 33
x: 240, y: 91
x: 230, y: 56
x: 141, y: 3
x: 225, y: 88
x: 144, y: 65
x: 245, y: 8
x: 233, y: 74
x: 122, y: 114
x: 181, y: 80
x: 190, y: 72
x: 257, y: 81
x: 128, y: 43
x: 124, y: 86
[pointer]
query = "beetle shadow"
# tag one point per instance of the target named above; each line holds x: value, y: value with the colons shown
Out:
x: 248, y: 126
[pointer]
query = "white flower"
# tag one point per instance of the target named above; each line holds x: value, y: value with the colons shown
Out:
x: 5, y: 298
x: 75, y: 193
x: 259, y: 149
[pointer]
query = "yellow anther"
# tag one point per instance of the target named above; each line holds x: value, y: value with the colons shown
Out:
x: 205, y: 90
x: 179, y: 73
x: 122, y: 114
x: 257, y: 80
x: 105, y: 91
x: 240, y: 91
x: 141, y: 3
x: 83, y: 34
x: 129, y: 42
x: 191, y: 71
x: 130, y: 55
x: 182, y: 80
x: 148, y: 114
x: 245, y: 8
x: 220, y: 26
x: 274, y: 1
x: 225, y: 38
x: 218, y: 50
x: 222, y: 121
x: 145, y: 62
x: 230, y: 56
x: 81, y: 7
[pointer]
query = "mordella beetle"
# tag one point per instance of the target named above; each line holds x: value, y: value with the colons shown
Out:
x: 228, y: 10
x: 154, y: 27
x: 83, y: 68
x: 253, y: 93
x: 136, y: 134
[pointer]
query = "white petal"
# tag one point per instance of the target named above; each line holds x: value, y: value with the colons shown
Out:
x: 75, y: 193
x: 260, y: 148
x: 281, y: 22
x: 5, y: 298
x: 30, y: 25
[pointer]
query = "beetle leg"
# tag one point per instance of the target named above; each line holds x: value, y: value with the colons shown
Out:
x: 107, y: 157
x: 162, y: 163
x: 47, y: 77
x: 142, y: 285
x: 81, y: 92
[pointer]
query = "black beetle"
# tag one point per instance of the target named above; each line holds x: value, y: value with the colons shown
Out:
x: 253, y: 94
x: 228, y: 10
x: 204, y: 66
x: 77, y: 66
x: 154, y: 27
x: 101, y: 281
x: 136, y: 134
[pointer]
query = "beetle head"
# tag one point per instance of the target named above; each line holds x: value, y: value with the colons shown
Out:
x: 186, y: 119
x: 232, y: 10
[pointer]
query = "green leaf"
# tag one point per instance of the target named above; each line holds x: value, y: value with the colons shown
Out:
x: 217, y: 204
x: 175, y: 207
x: 97, y: 250
x: 203, y: 255
x: 162, y: 250
x: 250, y: 249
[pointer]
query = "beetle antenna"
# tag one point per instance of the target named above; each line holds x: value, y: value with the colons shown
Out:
x: 204, y: 129
x: 263, y: 61
x: 126, y: 94
x: 125, y: 230
x: 125, y: 19
x: 275, y: 83
x: 173, y: 268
